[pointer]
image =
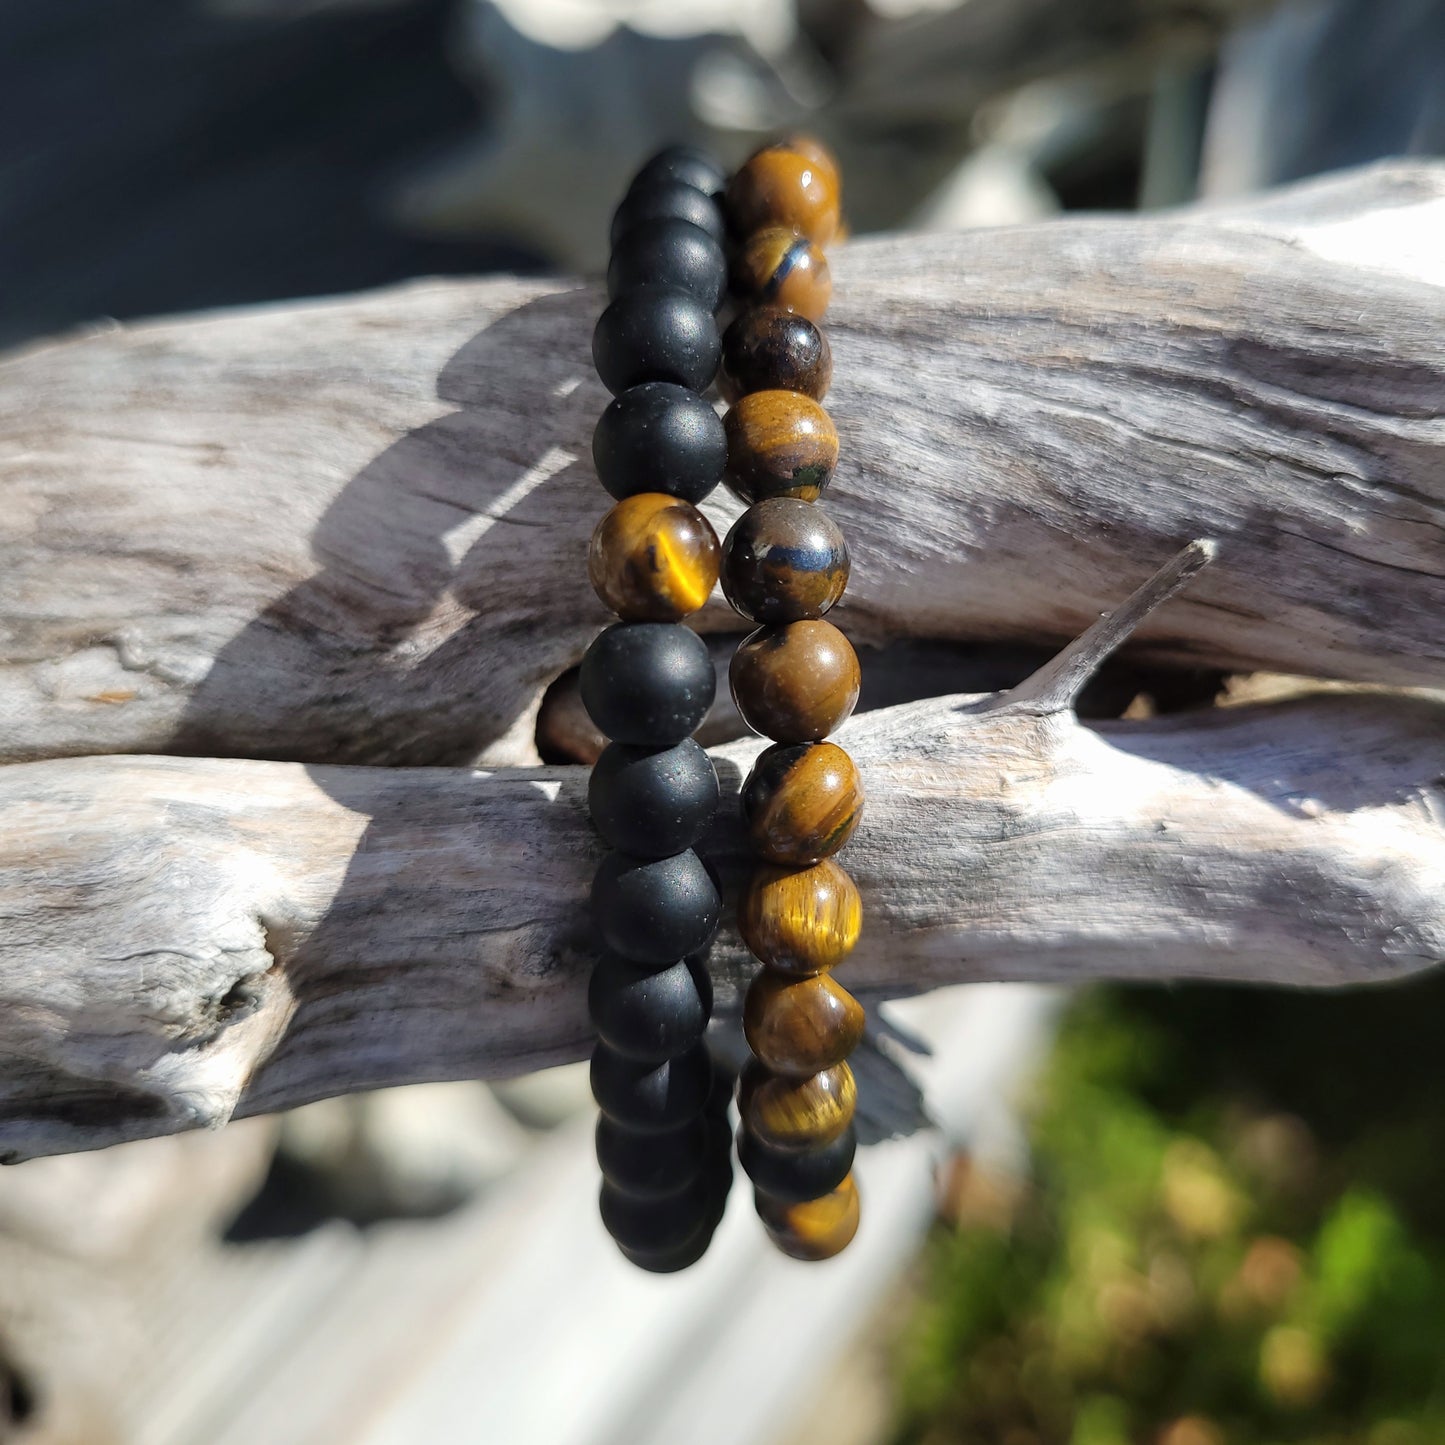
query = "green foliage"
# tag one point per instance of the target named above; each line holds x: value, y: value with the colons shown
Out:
x: 1233, y: 1236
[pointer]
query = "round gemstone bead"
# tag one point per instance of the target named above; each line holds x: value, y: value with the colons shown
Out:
x: 652, y: 802
x: 659, y: 1225
x: 791, y: 1176
x: 782, y: 185
x: 780, y: 444
x: 653, y: 558
x: 647, y: 683
x: 800, y: 1026
x: 660, y: 437
x: 689, y: 164
x: 801, y: 802
x: 667, y: 200
x: 800, y: 921
x: 669, y: 253
x: 648, y: 1013
x: 784, y: 560
x: 652, y: 1165
x: 813, y: 1229
x: 766, y: 349
x: 786, y: 1113
x: 795, y: 683
x: 777, y: 267
x: 656, y: 333
x: 651, y: 1098
x: 655, y: 911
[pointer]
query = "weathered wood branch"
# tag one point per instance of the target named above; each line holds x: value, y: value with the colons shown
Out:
x: 349, y: 531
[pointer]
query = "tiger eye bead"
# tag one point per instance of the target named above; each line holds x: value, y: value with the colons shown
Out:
x: 784, y: 560
x: 797, y: 1113
x: 792, y: 1176
x: 780, y: 444
x: 815, y: 1229
x: 801, y: 802
x: 766, y: 348
x: 800, y: 1026
x: 795, y: 683
x: 777, y: 267
x: 653, y: 558
x: 800, y: 921
x: 781, y: 185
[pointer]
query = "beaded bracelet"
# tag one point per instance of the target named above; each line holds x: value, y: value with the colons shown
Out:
x: 647, y: 681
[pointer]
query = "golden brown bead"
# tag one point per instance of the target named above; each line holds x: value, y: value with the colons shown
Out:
x: 788, y: 1113
x: 784, y: 185
x: 766, y: 348
x: 653, y: 558
x: 800, y: 1026
x: 780, y: 444
x: 801, y: 802
x: 817, y: 1229
x: 800, y: 921
x: 797, y: 682
x: 784, y: 561
x: 779, y: 268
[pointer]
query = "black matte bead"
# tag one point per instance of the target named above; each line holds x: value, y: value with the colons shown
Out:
x: 669, y: 253
x: 660, y: 437
x: 655, y: 911
x: 656, y: 333
x: 670, y: 1261
x: 648, y: 684
x: 651, y: 1098
x: 655, y: 1226
x: 796, y: 1175
x: 690, y: 164
x: 653, y: 1165
x: 646, y: 1013
x: 652, y: 802
x: 667, y: 200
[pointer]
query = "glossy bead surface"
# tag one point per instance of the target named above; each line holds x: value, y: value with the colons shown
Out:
x: 778, y: 268
x: 660, y: 437
x: 800, y: 1026
x: 647, y: 1013
x: 655, y: 1225
x: 651, y: 1098
x: 766, y: 349
x: 780, y: 444
x: 689, y: 164
x: 655, y: 911
x: 790, y: 1176
x: 783, y: 185
x: 800, y: 921
x: 786, y: 1113
x: 795, y: 683
x: 667, y: 200
x: 669, y: 253
x: 647, y: 683
x: 784, y: 560
x: 656, y: 333
x: 801, y: 802
x: 653, y: 558
x: 652, y: 802
x: 813, y: 1229
x: 653, y: 1165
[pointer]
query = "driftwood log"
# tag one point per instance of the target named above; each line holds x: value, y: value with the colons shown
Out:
x: 349, y: 532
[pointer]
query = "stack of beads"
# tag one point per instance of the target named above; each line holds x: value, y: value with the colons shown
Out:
x: 795, y: 680
x: 662, y: 1140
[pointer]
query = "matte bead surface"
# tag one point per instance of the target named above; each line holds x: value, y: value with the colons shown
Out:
x: 780, y: 444
x: 784, y: 185
x: 667, y: 200
x: 669, y: 253
x: 801, y: 802
x: 800, y: 1026
x: 794, y: 683
x: 647, y: 1013
x: 655, y: 1226
x: 652, y: 802
x: 651, y: 1098
x: 647, y: 683
x: 815, y: 1228
x: 784, y: 560
x: 778, y: 268
x: 653, y: 558
x: 660, y: 437
x: 800, y: 921
x: 655, y: 911
x: 653, y: 1165
x: 690, y: 164
x: 656, y: 333
x: 670, y: 1261
x: 793, y: 1175
x: 766, y: 348
x: 786, y: 1113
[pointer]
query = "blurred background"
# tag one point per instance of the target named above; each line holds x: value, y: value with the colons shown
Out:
x: 1116, y: 1217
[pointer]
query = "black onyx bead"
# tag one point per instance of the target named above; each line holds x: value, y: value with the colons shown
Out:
x: 689, y: 164
x: 651, y: 1098
x: 796, y: 1175
x: 658, y: 911
x: 655, y: 1226
x: 656, y: 333
x: 653, y: 802
x: 648, y: 1013
x: 669, y: 253
x: 660, y: 437
x: 670, y: 1261
x: 648, y: 684
x: 652, y: 1166
x: 767, y: 349
x: 667, y: 200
